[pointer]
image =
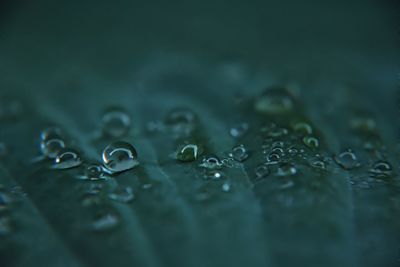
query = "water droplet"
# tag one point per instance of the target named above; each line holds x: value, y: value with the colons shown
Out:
x: 277, y: 132
x: 105, y: 222
x: 52, y: 133
x: 52, y: 147
x: 275, y: 100
x: 311, y: 142
x: 318, y: 164
x: 120, y: 156
x: 181, y: 121
x: 286, y: 170
x: 381, y: 169
x: 67, y: 159
x: 189, y: 152
x: 303, y: 128
x: 363, y: 124
x: 239, y: 130
x: 52, y: 142
x: 211, y: 162
x: 347, y: 160
x: 213, y: 175
x: 116, y: 122
x: 93, y: 171
x: 124, y: 195
x: 261, y: 171
x: 226, y: 187
x: 239, y: 153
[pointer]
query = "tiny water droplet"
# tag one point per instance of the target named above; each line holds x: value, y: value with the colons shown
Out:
x: 213, y: 175
x: 275, y: 100
x: 120, y: 156
x: 93, y: 171
x: 239, y: 130
x: 286, y: 170
x: 318, y: 164
x: 226, y: 187
x: 311, y: 142
x: 211, y: 162
x: 124, y: 195
x: 181, y: 121
x: 347, y: 160
x: 363, y: 124
x: 239, y: 153
x: 116, y: 122
x: 189, y: 153
x: 261, y: 171
x: 105, y: 222
x: 303, y: 128
x: 67, y: 159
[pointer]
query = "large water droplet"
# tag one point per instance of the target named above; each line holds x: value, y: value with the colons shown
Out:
x: 347, y: 160
x: 116, y: 122
x: 189, y: 152
x: 275, y: 100
x: 67, y: 159
x: 124, y: 194
x: 381, y: 169
x: 239, y: 153
x: 120, y: 156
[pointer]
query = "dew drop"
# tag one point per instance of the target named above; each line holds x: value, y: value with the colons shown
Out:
x: 211, y: 162
x: 105, y: 222
x: 124, y: 195
x: 239, y: 153
x: 318, y: 164
x: 52, y: 147
x: 311, y: 142
x: 239, y: 130
x: 181, y: 121
x: 381, y: 169
x: 261, y: 171
x: 226, y: 187
x: 275, y: 100
x: 120, y: 156
x: 67, y: 159
x: 213, y: 175
x: 189, y: 153
x: 94, y: 171
x: 303, y: 128
x: 286, y: 170
x: 347, y: 160
x: 52, y: 142
x: 116, y: 122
